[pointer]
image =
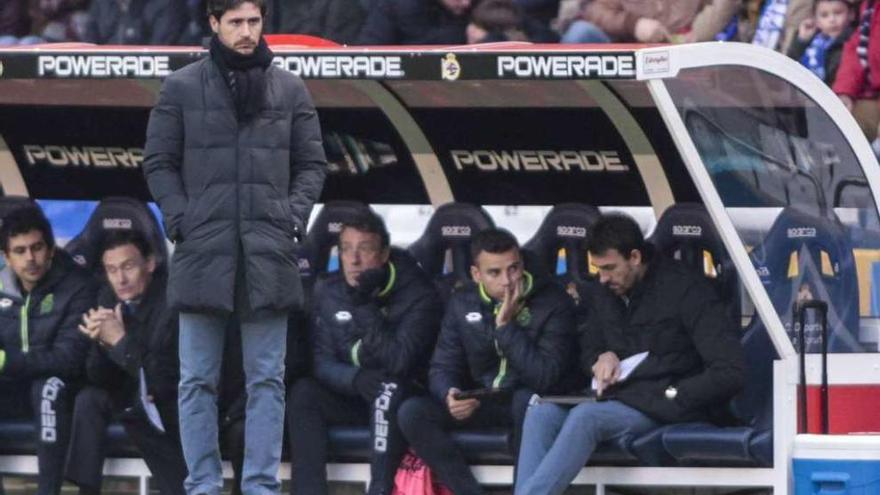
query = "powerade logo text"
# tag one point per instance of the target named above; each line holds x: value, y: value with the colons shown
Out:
x: 103, y: 66
x: 83, y: 156
x: 341, y: 66
x: 566, y: 66
x: 528, y: 161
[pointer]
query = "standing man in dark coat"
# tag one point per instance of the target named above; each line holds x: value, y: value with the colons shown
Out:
x: 235, y: 161
x: 135, y: 338
x: 508, y: 332
x: 43, y: 295
x: 374, y: 326
x: 694, y: 362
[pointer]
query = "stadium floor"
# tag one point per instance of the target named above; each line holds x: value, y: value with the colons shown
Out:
x: 119, y: 486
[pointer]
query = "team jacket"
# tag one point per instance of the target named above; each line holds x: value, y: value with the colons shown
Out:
x: 534, y: 350
x: 150, y: 343
x: 42, y: 325
x: 677, y: 317
x: 394, y: 333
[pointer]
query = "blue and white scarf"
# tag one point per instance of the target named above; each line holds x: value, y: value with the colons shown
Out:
x: 770, y: 23
x: 814, y: 55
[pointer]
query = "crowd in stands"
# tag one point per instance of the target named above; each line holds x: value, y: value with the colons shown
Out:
x: 830, y: 37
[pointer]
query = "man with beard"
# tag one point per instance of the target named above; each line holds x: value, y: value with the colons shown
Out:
x: 234, y: 159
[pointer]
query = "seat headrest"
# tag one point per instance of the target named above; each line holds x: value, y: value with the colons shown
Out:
x: 114, y: 213
x: 566, y: 226
x: 807, y: 256
x: 11, y: 203
x: 323, y: 235
x: 684, y: 231
x: 451, y: 227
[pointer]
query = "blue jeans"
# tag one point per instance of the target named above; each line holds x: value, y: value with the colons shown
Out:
x: 557, y: 441
x: 584, y: 32
x: 263, y: 345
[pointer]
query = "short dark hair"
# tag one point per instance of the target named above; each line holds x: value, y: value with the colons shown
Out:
x: 849, y: 4
x: 217, y: 8
x: 23, y: 220
x: 369, y: 222
x: 115, y: 238
x: 616, y: 231
x: 493, y: 240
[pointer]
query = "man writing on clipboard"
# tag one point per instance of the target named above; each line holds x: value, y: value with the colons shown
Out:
x: 694, y: 361
x: 504, y: 337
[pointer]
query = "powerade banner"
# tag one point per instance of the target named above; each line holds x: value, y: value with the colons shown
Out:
x: 88, y: 153
x: 544, y: 156
x: 434, y: 65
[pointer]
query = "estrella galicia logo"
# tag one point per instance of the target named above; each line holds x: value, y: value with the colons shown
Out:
x: 343, y: 316
x: 5, y: 303
x: 450, y: 67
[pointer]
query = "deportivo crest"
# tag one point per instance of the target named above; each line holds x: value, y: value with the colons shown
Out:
x: 473, y: 317
x: 47, y: 304
x: 343, y: 316
x: 451, y: 69
x: 524, y: 317
x: 5, y: 303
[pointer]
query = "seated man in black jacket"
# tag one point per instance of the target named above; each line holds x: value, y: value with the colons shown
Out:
x: 507, y: 332
x: 43, y: 295
x: 375, y: 324
x: 135, y: 345
x: 694, y: 362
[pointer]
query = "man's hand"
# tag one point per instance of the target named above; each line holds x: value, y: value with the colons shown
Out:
x: 369, y: 284
x: 510, y: 305
x: 104, y: 325
x: 650, y: 31
x: 460, y: 409
x: 606, y: 371
x: 847, y: 102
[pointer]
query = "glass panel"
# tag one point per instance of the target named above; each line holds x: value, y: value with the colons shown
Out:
x: 797, y: 197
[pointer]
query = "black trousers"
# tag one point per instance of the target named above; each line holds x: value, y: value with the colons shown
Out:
x: 49, y: 402
x: 313, y: 409
x: 94, y: 411
x: 426, y: 424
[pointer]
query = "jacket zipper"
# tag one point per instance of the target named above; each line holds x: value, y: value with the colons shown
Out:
x: 502, y: 368
x: 25, y: 340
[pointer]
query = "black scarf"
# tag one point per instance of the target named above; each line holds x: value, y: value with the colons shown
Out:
x: 244, y: 74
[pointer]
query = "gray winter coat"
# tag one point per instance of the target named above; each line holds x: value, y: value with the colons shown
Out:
x: 229, y: 189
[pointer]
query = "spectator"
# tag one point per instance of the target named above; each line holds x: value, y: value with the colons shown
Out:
x: 14, y: 21
x: 508, y: 332
x: 43, y: 295
x: 136, y: 22
x: 694, y: 364
x: 574, y: 28
x: 542, y: 11
x: 819, y: 43
x: 776, y: 24
x: 502, y: 20
x: 375, y: 325
x: 416, y: 22
x: 858, y: 77
x: 657, y: 22
x: 337, y: 20
x: 135, y: 336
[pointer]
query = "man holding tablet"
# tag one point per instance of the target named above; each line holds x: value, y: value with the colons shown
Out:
x: 503, y: 338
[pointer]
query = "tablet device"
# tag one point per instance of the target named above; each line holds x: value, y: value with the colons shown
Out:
x: 477, y: 393
x: 566, y: 400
